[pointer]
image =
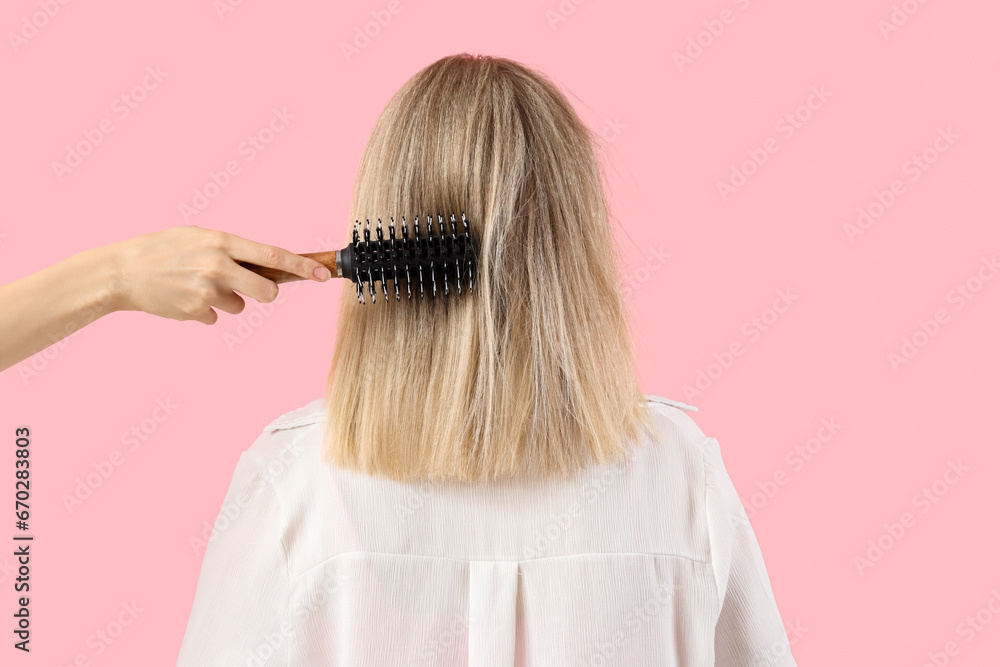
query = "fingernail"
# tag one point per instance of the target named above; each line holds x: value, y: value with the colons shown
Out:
x: 322, y: 273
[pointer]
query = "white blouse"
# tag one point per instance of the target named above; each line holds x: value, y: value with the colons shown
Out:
x: 648, y: 562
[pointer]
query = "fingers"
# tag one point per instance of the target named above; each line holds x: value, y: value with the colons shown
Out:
x: 230, y: 302
x: 275, y: 258
x: 207, y: 316
x: 225, y: 301
x: 253, y: 285
x: 221, y: 277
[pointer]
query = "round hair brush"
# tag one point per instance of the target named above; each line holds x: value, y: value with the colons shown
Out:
x: 412, y: 261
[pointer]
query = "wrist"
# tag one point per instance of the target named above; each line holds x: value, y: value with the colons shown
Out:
x: 110, y: 286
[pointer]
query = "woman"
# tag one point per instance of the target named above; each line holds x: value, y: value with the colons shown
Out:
x: 484, y: 483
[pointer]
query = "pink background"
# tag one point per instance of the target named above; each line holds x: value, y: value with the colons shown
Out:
x: 704, y: 272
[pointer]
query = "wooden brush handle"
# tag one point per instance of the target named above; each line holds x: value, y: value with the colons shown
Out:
x: 327, y: 259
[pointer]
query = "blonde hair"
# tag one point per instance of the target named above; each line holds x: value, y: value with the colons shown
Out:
x: 530, y: 374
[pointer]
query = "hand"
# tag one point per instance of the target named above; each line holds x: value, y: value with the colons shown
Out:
x: 183, y: 272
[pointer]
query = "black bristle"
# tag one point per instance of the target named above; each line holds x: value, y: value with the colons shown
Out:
x: 395, y: 256
x: 469, y: 250
x: 421, y: 249
x: 454, y: 250
x: 381, y: 256
x: 443, y: 252
x: 369, y: 260
x: 431, y: 252
x: 356, y: 250
x: 406, y: 259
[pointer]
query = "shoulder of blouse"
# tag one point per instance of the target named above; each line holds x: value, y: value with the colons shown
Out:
x: 284, y: 444
x: 315, y: 411
x: 675, y: 421
x: 311, y: 413
x: 676, y: 412
x: 652, y: 398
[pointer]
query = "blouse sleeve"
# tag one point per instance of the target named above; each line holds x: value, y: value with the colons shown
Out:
x: 239, y: 611
x: 749, y: 630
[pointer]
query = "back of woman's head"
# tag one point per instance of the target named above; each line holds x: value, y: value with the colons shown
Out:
x: 532, y: 372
